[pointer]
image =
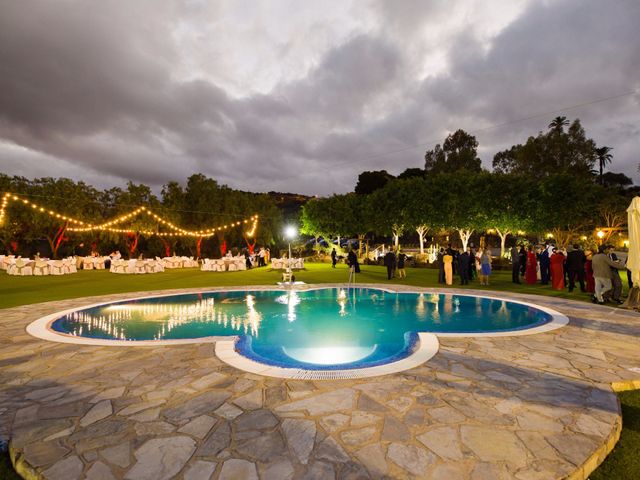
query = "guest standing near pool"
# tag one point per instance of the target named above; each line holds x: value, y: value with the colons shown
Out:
x: 485, y: 266
x: 531, y: 275
x: 402, y: 259
x: 557, y: 269
x: 334, y: 259
x: 463, y: 266
x: 515, y: 265
x: 447, y: 260
x: 390, y: 263
x: 588, y: 273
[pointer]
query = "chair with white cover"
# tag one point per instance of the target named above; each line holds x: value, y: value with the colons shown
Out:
x: 219, y: 265
x: 140, y: 266
x: 118, y: 266
x: 233, y: 266
x: 20, y: 267
x: 2, y: 266
x: 99, y: 263
x: 56, y: 267
x: 276, y: 264
x: 87, y: 263
x: 241, y: 264
x: 155, y: 266
x: 7, y: 261
x: 206, y: 265
x: 70, y: 264
x: 40, y: 267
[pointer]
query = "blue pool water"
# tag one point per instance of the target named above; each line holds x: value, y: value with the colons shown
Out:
x: 315, y: 329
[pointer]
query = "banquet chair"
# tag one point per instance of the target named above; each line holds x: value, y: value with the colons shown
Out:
x: 140, y: 266
x: 156, y: 266
x: 40, y: 267
x: 56, y: 267
x: 70, y: 265
x: 118, y: 266
x: 20, y: 267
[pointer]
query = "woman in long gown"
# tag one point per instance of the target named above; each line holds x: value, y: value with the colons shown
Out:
x: 588, y: 270
x: 531, y: 274
x: 557, y: 270
x: 448, y: 269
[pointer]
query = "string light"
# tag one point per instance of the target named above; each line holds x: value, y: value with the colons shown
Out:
x: 108, y: 226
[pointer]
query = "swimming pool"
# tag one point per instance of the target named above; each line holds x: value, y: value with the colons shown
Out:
x: 316, y: 329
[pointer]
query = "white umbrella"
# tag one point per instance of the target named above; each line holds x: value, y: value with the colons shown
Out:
x: 633, y: 259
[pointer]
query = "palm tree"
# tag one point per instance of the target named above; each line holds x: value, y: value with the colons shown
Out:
x: 558, y: 123
x: 604, y: 157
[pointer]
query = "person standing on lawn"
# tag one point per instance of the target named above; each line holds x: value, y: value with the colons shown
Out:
x: 576, y: 260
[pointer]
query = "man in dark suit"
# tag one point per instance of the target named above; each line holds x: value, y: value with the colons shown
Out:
x: 440, y: 260
x: 463, y: 266
x: 575, y: 267
x: 545, y: 265
x: 390, y: 263
x: 515, y: 264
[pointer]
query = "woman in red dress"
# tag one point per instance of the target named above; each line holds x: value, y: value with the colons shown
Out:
x: 531, y: 274
x: 588, y: 270
x: 557, y: 270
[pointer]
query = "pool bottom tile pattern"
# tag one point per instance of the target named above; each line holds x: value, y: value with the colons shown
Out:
x: 533, y: 406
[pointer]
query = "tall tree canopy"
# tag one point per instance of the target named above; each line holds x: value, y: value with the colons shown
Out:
x: 549, y: 153
x: 458, y: 152
x: 370, y: 181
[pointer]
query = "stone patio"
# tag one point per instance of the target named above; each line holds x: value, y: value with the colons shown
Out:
x: 527, y: 407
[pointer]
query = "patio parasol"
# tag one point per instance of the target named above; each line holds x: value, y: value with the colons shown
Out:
x: 633, y: 260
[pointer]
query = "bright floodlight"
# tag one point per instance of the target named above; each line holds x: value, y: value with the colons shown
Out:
x: 290, y: 232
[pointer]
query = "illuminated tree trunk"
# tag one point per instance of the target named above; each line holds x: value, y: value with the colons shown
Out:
x: 465, y: 235
x: 56, y: 240
x: 223, y: 244
x: 422, y: 234
x: 397, y: 231
x: 250, y: 246
x: 503, y: 240
x: 198, y: 245
x: 167, y: 247
x: 132, y: 243
x: 360, y: 240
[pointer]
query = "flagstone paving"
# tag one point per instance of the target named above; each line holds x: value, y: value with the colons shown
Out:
x: 527, y: 407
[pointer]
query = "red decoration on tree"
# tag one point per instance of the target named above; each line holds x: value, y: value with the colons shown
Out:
x: 223, y: 248
x: 198, y: 244
x: 251, y: 246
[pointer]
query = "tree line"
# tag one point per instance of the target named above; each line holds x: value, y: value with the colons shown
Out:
x: 200, y: 203
x: 553, y: 183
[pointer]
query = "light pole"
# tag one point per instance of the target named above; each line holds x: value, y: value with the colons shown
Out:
x: 290, y: 233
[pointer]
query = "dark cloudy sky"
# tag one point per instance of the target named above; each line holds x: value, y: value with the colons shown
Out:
x: 302, y: 96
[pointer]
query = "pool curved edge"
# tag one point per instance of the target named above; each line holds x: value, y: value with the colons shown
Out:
x: 41, y: 328
x: 428, y: 346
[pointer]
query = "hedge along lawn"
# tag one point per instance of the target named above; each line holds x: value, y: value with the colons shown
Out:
x: 16, y: 290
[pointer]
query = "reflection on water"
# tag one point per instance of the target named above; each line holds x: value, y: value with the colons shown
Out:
x: 162, y: 318
x: 351, y: 321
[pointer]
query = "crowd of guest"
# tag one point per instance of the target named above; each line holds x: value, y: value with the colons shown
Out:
x: 467, y: 264
x: 595, y: 272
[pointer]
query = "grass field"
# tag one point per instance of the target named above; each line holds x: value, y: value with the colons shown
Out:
x: 623, y: 463
x: 16, y: 291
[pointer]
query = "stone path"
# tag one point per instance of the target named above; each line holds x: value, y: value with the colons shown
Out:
x: 526, y: 407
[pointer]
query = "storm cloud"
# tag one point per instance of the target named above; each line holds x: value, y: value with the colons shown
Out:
x: 290, y: 96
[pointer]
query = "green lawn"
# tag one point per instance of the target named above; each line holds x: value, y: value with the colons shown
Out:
x: 16, y: 291
x: 623, y: 463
